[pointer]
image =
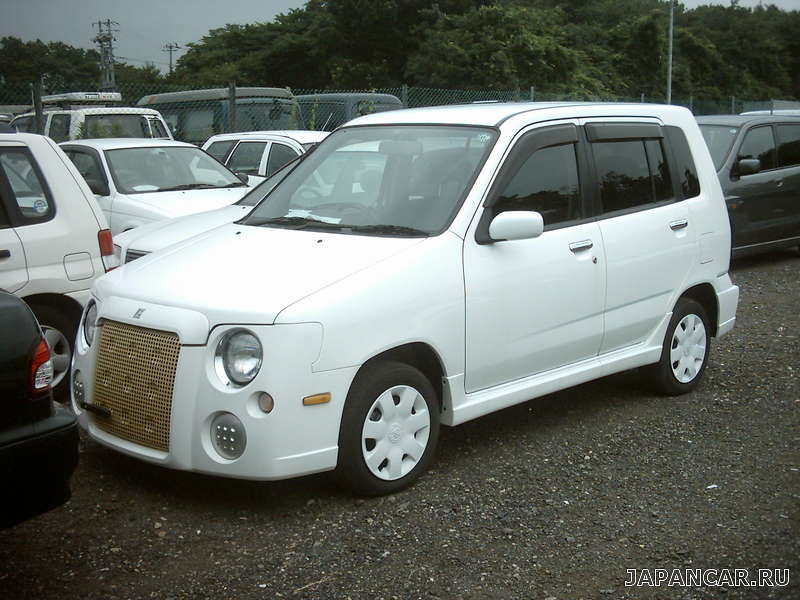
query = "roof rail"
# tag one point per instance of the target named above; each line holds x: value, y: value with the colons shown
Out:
x: 87, y: 97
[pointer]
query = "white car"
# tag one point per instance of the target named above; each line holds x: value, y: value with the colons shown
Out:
x: 484, y: 255
x: 54, y: 240
x: 141, y: 181
x: 261, y: 153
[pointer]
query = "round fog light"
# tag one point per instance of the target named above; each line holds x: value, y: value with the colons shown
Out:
x: 77, y: 387
x: 265, y: 402
x: 228, y: 436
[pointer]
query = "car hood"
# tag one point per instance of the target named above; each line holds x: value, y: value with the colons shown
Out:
x: 245, y: 274
x: 160, y: 234
x: 187, y: 202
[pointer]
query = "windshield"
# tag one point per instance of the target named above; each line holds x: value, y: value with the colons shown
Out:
x: 115, y: 125
x: 719, y: 139
x: 165, y: 168
x: 380, y: 180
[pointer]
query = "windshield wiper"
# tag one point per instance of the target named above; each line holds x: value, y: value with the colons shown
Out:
x: 400, y: 229
x: 294, y: 223
x: 188, y: 186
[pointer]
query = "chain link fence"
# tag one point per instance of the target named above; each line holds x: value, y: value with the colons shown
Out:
x: 194, y: 115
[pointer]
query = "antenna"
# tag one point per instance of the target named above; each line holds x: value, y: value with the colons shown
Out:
x: 105, y: 39
x: 171, y: 47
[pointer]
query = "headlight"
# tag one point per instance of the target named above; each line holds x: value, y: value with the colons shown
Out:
x: 90, y: 322
x: 238, y: 357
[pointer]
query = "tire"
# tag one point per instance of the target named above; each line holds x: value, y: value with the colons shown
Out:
x: 60, y: 326
x: 684, y: 354
x: 389, y: 429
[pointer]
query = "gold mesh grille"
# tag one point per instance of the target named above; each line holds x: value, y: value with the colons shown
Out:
x: 133, y: 379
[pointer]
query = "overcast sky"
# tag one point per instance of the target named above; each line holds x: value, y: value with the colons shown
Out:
x: 145, y: 26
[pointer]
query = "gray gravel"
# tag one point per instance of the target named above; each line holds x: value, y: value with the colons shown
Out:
x: 552, y: 499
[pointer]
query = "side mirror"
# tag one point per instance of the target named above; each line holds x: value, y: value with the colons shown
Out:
x: 748, y: 166
x: 98, y: 186
x: 516, y: 225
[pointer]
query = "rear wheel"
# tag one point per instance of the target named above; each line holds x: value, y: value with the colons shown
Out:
x: 389, y: 430
x: 684, y: 354
x: 60, y: 326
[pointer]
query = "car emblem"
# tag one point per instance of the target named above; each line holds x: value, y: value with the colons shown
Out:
x: 138, y: 313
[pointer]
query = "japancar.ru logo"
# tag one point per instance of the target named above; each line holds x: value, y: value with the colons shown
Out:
x: 707, y: 577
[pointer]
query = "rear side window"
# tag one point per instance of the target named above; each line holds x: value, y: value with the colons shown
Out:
x: 788, y: 145
x: 759, y: 143
x: 631, y: 173
x: 220, y: 150
x: 246, y: 158
x: 547, y: 182
x: 59, y: 127
x: 684, y: 163
x: 279, y: 155
x: 29, y: 196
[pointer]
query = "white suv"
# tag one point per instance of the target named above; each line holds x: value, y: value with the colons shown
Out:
x: 97, y: 122
x: 54, y: 240
x: 457, y: 260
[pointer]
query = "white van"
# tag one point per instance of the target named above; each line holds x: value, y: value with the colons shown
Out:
x: 54, y: 240
x: 63, y: 121
x: 463, y: 259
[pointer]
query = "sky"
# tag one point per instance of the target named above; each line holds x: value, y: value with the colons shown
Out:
x: 145, y: 26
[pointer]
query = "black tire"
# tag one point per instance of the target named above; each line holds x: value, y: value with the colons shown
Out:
x: 665, y: 373
x: 370, y: 385
x: 65, y: 321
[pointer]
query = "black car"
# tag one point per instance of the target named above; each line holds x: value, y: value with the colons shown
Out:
x: 757, y: 158
x: 38, y: 439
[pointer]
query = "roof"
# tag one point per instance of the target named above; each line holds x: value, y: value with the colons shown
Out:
x: 118, y: 143
x: 493, y: 114
x: 301, y: 136
x: 739, y: 120
x: 388, y: 98
x: 213, y: 94
x: 99, y: 110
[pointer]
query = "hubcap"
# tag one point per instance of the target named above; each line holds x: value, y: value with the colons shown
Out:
x: 688, y: 350
x: 395, y: 432
x: 59, y: 353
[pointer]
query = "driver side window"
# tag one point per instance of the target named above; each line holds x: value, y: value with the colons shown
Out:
x: 547, y: 182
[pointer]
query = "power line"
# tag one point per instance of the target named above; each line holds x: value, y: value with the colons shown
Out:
x: 105, y: 39
x: 171, y: 47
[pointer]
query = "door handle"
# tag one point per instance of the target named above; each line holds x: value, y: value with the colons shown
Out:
x: 5, y: 253
x: 582, y: 245
x: 680, y: 224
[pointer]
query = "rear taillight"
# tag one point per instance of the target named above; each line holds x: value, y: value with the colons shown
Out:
x: 107, y: 249
x: 41, y: 368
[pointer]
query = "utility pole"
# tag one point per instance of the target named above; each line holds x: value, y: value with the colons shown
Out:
x: 669, y: 55
x: 105, y: 39
x: 171, y: 47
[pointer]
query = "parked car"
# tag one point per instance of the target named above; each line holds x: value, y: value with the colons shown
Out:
x: 261, y: 153
x: 141, y: 181
x: 483, y: 255
x: 38, y: 441
x: 196, y: 115
x: 325, y: 112
x: 54, y: 240
x: 758, y: 163
x: 69, y: 117
x: 145, y: 239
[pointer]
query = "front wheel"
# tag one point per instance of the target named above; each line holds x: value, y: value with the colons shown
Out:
x: 684, y: 354
x: 389, y: 430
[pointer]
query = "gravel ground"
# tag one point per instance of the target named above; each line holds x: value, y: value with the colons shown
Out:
x: 552, y: 499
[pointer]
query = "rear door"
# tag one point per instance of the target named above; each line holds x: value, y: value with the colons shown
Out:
x: 647, y: 234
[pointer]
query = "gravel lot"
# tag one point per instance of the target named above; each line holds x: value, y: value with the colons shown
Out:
x: 552, y: 499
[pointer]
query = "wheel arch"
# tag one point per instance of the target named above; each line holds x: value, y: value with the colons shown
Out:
x: 705, y: 295
x: 418, y: 355
x: 56, y: 301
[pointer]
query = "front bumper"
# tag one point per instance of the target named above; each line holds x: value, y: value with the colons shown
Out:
x: 290, y: 441
x: 36, y: 463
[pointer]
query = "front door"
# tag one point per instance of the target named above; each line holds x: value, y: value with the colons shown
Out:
x: 535, y: 305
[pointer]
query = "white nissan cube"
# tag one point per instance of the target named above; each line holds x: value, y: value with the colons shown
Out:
x: 419, y: 268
